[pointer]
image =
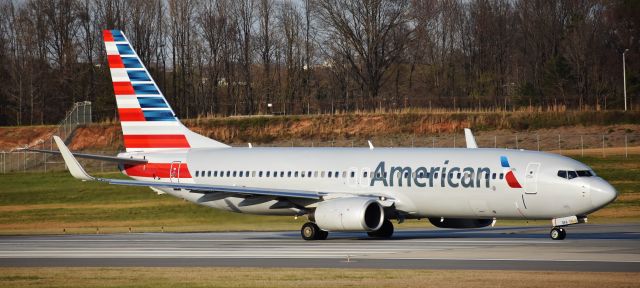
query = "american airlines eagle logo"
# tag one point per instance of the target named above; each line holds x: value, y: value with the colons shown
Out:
x: 508, y: 174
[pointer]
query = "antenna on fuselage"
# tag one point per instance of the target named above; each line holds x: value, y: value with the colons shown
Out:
x: 370, y: 145
x: 468, y: 137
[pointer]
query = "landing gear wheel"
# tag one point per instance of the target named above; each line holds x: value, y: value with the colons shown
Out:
x: 311, y: 231
x: 385, y: 231
x: 558, y: 233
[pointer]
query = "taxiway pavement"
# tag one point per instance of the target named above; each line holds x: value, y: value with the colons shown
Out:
x: 587, y: 248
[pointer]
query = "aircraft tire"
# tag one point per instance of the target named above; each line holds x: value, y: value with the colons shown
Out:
x: 385, y: 231
x: 558, y: 233
x: 311, y: 231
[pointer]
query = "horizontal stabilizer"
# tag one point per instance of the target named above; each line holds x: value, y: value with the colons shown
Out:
x: 106, y: 158
x: 78, y: 172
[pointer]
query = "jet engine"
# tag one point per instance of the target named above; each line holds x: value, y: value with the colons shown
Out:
x: 349, y: 214
x: 460, y: 223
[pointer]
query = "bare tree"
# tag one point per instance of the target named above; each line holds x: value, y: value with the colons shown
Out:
x: 373, y: 30
x: 245, y: 19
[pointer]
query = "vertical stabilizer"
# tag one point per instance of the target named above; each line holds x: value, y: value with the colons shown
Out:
x: 148, y: 122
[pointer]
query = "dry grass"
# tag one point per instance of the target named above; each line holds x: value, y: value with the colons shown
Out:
x: 299, y: 277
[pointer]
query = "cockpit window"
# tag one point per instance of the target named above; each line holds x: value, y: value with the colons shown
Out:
x: 574, y: 174
x: 584, y: 173
x: 562, y: 174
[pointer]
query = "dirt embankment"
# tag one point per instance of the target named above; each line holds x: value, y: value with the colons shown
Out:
x: 280, y: 129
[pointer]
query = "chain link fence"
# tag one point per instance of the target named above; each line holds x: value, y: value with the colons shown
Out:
x: 16, y: 160
x: 594, y: 145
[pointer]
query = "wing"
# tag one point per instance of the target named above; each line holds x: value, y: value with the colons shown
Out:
x: 78, y: 172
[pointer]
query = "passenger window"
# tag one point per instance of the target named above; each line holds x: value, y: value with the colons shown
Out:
x: 336, y: 174
x: 234, y: 173
x: 260, y: 174
x: 281, y: 173
x: 268, y: 173
x: 215, y: 173
x: 344, y: 174
x: 197, y: 173
x: 309, y: 174
x: 493, y: 176
x: 296, y: 174
x: 315, y: 174
x: 240, y: 173
x: 329, y: 174
x: 321, y: 174
x: 221, y: 173
x: 435, y: 175
x: 572, y: 174
x: 353, y: 174
x: 501, y: 176
x: 302, y: 174
x: 289, y: 174
x: 364, y: 175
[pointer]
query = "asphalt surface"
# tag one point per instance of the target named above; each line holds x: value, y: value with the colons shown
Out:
x: 588, y: 247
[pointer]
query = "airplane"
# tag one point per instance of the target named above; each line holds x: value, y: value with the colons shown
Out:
x: 337, y: 189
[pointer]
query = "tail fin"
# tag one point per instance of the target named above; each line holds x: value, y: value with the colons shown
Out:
x: 148, y: 122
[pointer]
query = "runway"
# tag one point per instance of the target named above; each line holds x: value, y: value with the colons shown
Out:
x: 587, y: 248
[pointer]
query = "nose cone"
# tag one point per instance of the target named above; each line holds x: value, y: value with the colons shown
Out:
x: 602, y: 193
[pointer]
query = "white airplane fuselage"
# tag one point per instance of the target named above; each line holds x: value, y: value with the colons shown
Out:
x: 412, y: 177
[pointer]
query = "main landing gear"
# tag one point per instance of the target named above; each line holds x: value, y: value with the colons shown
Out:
x: 311, y: 231
x: 385, y: 231
x: 558, y: 233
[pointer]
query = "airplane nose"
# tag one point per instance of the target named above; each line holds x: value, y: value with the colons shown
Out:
x: 602, y: 193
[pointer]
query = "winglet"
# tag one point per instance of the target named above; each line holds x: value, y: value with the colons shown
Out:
x: 468, y: 137
x: 72, y: 164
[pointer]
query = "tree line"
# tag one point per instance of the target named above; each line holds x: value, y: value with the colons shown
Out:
x: 243, y: 57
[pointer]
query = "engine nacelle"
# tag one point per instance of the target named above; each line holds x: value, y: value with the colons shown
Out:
x: 349, y: 214
x: 460, y: 223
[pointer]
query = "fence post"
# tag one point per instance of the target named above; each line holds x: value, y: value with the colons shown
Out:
x: 517, y: 141
x: 626, y: 151
x: 581, y: 146
x: 559, y: 145
x: 495, y: 141
x: 538, y: 141
x: 603, y: 156
x: 454, y: 140
x: 433, y: 138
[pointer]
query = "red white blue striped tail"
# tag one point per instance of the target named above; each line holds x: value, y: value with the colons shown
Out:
x: 148, y: 122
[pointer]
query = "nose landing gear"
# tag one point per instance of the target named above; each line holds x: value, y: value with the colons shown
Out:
x: 558, y: 233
